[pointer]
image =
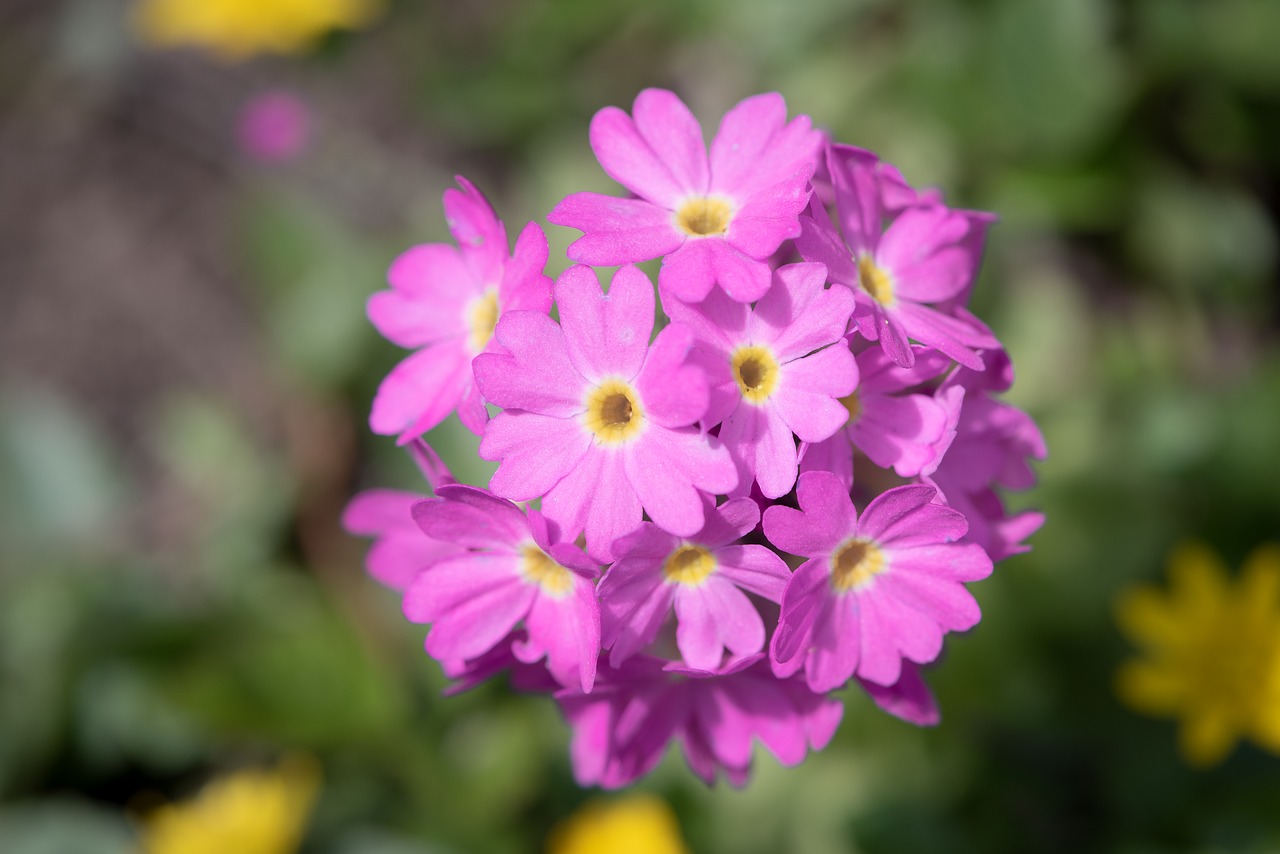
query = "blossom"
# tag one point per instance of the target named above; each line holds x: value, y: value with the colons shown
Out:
x: 636, y: 824
x: 703, y: 577
x: 254, y: 811
x: 447, y: 301
x: 713, y: 219
x: 273, y: 126
x: 622, y: 728
x: 906, y: 431
x: 238, y: 29
x: 517, y: 567
x: 598, y: 422
x: 875, y: 590
x: 773, y: 372
x: 400, y: 550
x: 992, y: 445
x: 1212, y: 652
x: 927, y: 254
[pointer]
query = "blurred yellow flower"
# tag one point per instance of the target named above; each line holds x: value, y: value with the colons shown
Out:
x: 636, y: 824
x: 256, y: 811
x: 236, y: 29
x: 1212, y: 652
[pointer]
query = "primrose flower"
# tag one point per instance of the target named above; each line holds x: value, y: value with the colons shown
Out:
x: 598, y: 422
x: 703, y: 577
x: 773, y: 372
x: 273, y: 126
x: 875, y: 590
x: 928, y: 254
x: 906, y: 431
x: 447, y: 301
x: 254, y: 811
x: 992, y: 445
x: 622, y: 728
x: 516, y: 568
x: 636, y: 824
x: 712, y: 219
x: 1212, y: 649
x: 237, y: 29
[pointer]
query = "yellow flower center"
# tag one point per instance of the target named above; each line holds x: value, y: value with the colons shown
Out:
x: 613, y: 412
x: 703, y: 216
x: 853, y: 406
x: 689, y: 565
x: 537, y: 567
x: 875, y: 281
x: 482, y: 317
x: 854, y: 565
x: 756, y: 371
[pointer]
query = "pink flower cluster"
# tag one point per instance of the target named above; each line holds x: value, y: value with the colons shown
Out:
x: 697, y: 535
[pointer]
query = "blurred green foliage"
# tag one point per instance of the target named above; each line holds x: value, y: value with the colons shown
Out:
x: 1132, y: 150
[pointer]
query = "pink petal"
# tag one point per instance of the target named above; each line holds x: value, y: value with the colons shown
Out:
x: 616, y: 231
x: 717, y: 321
x: 597, y: 499
x: 754, y: 568
x: 770, y: 216
x: 534, y: 373
x: 661, y: 468
x: 674, y: 393
x: 421, y: 391
x: 605, y: 335
x: 795, y: 288
x: 825, y: 518
x: 953, y: 561
x: 628, y: 159
x: 804, y: 604
x: 675, y: 136
x: 689, y: 273
x: 525, y: 287
x: 820, y: 242
x: 808, y: 397
x: 909, y: 699
x: 568, y: 631
x: 743, y: 278
x: 904, y: 516
x: 836, y: 649
x: 480, y: 234
x: 472, y: 518
x: 945, y: 602
x: 535, y: 452
x: 858, y: 200
x: 755, y: 147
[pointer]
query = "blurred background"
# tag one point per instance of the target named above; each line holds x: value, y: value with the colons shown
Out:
x: 186, y: 372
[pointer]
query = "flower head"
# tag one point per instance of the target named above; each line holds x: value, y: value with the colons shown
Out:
x: 445, y: 302
x: 702, y: 577
x: 773, y: 371
x: 516, y: 568
x: 715, y: 218
x: 1212, y: 652
x: 238, y: 29
x: 876, y: 589
x: 928, y: 254
x: 598, y: 422
x: 254, y: 811
x: 622, y: 728
x: 635, y: 824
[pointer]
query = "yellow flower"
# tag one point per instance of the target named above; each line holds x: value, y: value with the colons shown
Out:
x: 236, y: 29
x: 1213, y: 652
x: 637, y: 824
x: 248, y: 812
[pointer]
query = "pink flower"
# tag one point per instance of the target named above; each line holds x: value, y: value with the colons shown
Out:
x: 400, y: 550
x: 598, y: 422
x: 928, y: 254
x: 773, y: 371
x: 274, y: 126
x: 994, y: 442
x: 446, y: 301
x: 908, y: 432
x: 716, y: 219
x: 517, y: 568
x: 874, y: 591
x: 703, y: 576
x: 622, y: 728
